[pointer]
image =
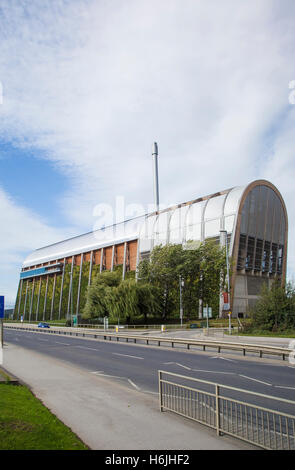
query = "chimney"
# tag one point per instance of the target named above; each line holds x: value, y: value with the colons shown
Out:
x: 155, y: 172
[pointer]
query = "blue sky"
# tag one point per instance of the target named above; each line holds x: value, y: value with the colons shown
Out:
x: 33, y: 181
x: 89, y: 85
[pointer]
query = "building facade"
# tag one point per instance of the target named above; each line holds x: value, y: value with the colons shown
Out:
x: 251, y: 220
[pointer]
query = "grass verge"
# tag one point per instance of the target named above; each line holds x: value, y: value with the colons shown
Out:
x: 271, y: 334
x: 26, y: 424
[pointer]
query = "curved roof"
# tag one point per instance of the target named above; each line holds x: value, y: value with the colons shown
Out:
x: 194, y: 220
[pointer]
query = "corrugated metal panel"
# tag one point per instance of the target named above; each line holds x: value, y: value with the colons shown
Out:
x: 146, y: 228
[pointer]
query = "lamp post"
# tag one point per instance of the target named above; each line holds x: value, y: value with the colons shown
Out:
x: 181, y: 284
x: 227, y: 276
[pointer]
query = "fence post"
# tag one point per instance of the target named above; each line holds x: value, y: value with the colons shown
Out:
x: 217, y: 410
x: 160, y: 390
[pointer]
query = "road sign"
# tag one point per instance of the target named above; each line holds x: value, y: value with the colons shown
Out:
x: 1, y: 306
x: 207, y: 312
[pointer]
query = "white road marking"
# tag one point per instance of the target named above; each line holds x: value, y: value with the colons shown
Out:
x: 107, y: 375
x: 85, y: 347
x: 65, y: 344
x: 127, y: 355
x: 283, y: 386
x: 213, y: 371
x: 224, y: 358
x: 185, y: 367
x: 180, y: 365
x: 255, y: 380
x: 97, y: 372
x: 133, y: 384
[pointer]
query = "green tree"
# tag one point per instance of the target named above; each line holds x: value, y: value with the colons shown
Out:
x: 275, y: 309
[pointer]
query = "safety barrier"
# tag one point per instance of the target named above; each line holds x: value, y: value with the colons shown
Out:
x: 233, y: 411
x: 204, y: 344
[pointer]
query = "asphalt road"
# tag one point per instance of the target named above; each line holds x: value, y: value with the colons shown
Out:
x: 137, y: 365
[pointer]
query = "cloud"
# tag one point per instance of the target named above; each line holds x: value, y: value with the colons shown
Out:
x: 94, y: 84
x: 22, y: 231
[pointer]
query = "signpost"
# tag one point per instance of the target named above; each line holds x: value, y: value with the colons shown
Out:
x: 207, y: 313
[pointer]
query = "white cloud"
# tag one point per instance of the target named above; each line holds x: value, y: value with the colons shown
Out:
x: 95, y: 83
x: 22, y: 231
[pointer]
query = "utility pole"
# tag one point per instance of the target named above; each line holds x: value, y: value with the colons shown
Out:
x: 181, y: 284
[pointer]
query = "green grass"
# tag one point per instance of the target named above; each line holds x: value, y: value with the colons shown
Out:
x: 26, y: 424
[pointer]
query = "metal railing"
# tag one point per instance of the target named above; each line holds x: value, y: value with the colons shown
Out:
x: 153, y: 340
x: 233, y: 411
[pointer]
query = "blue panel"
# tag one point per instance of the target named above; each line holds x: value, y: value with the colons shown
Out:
x: 1, y: 306
x: 51, y: 269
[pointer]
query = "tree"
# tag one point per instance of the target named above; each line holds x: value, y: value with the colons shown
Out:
x: 99, y: 295
x: 275, y: 309
x: 202, y: 270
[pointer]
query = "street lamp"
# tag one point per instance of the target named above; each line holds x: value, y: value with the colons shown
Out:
x: 224, y: 232
x: 181, y: 285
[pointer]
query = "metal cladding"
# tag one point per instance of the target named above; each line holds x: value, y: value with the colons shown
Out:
x: 252, y: 219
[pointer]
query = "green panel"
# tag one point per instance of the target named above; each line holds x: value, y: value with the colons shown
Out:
x: 65, y: 294
x: 57, y: 297
x: 35, y: 300
x: 49, y: 298
x: 75, y: 286
x: 42, y: 298
x: 95, y: 271
x: 84, y: 284
x: 15, y: 316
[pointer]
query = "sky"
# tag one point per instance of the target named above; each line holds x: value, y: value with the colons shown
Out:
x: 86, y: 87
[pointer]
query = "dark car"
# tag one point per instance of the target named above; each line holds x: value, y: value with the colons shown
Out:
x: 43, y: 325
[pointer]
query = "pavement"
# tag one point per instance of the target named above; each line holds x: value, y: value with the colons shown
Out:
x: 107, y: 415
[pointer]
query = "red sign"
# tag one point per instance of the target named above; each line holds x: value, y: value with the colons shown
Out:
x: 225, y: 297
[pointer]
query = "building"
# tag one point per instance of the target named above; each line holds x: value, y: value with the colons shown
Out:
x: 54, y: 279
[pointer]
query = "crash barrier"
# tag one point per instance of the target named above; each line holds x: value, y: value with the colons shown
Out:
x: 204, y: 344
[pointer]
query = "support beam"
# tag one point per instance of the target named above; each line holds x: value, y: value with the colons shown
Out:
x: 113, y: 258
x: 79, y: 286
x: 53, y: 295
x: 101, y: 260
x: 32, y: 300
x: 70, y: 287
x: 45, y: 300
x: 61, y: 289
x: 24, y: 313
x: 20, y: 296
x: 38, y: 300
x: 90, y: 268
x: 124, y: 260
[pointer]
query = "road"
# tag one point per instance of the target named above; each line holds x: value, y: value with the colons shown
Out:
x: 137, y: 366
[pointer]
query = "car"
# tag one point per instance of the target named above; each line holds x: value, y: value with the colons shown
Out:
x: 43, y: 325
